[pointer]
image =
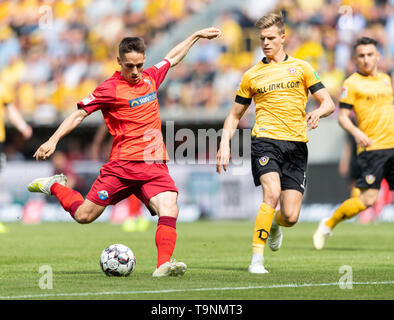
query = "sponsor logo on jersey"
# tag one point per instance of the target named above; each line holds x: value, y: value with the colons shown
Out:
x: 264, y: 160
x: 147, y: 81
x: 316, y: 75
x: 88, y: 99
x: 103, y: 194
x: 141, y: 100
x: 279, y: 86
x: 370, y: 178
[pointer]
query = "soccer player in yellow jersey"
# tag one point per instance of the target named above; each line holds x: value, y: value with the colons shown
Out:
x: 279, y: 86
x: 369, y: 94
x: 16, y: 119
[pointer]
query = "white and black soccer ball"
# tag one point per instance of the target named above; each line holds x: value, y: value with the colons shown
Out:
x: 117, y: 260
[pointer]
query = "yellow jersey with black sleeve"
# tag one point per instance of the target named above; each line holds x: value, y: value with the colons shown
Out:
x: 371, y: 99
x: 280, y: 92
x: 5, y: 98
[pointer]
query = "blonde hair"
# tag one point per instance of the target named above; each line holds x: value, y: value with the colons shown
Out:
x: 272, y: 19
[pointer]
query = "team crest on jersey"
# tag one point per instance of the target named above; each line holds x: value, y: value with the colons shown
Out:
x: 88, y: 99
x: 264, y: 160
x: 147, y: 81
x: 103, y: 194
x: 292, y: 70
x: 370, y: 178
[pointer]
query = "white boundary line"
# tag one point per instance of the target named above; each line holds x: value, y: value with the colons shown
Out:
x: 274, y: 286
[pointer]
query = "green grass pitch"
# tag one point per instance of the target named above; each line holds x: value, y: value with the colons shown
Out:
x: 217, y: 254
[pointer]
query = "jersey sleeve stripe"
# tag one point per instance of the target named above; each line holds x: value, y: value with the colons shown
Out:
x: 243, y: 100
x: 316, y: 87
x: 345, y: 105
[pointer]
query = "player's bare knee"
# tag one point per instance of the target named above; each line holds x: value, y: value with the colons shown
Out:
x: 369, y: 198
x: 291, y: 221
x: 83, y: 216
x: 170, y: 210
x: 271, y: 198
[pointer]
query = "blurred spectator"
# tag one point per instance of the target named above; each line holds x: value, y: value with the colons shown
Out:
x: 53, y: 53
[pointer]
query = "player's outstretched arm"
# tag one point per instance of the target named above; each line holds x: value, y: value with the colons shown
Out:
x: 177, y: 53
x: 229, y: 127
x: 327, y: 107
x: 18, y: 122
x: 68, y: 124
x: 346, y: 123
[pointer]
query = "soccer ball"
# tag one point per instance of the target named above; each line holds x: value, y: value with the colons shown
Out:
x: 117, y: 260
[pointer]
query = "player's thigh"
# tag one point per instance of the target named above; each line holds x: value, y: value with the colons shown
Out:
x: 270, y: 183
x: 164, y: 204
x: 290, y: 205
x: 88, y: 211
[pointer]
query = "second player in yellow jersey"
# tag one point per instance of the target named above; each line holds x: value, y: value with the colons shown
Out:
x: 369, y: 94
x: 279, y: 86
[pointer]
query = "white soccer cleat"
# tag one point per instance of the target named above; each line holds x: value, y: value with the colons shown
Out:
x: 257, y: 264
x: 170, y: 269
x: 44, y: 185
x: 321, y: 234
x: 257, y: 268
x: 275, y: 238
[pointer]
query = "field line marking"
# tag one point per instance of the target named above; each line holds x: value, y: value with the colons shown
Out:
x: 274, y: 286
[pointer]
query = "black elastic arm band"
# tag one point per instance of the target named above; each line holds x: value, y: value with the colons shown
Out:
x: 242, y: 100
x: 316, y: 87
x: 345, y: 105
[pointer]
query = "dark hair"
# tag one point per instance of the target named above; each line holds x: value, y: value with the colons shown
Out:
x: 130, y: 44
x: 364, y: 41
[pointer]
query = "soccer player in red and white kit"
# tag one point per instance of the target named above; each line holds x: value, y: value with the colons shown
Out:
x: 137, y: 163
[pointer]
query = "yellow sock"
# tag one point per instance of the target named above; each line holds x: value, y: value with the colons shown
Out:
x: 262, y: 228
x: 355, y: 193
x: 348, y: 209
x: 278, y: 218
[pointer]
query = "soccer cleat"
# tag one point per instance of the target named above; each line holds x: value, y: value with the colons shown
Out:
x: 321, y: 234
x: 44, y: 185
x: 257, y: 268
x: 170, y: 268
x: 275, y: 237
x: 257, y: 264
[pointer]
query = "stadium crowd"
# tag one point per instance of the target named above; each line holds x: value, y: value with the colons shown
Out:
x: 53, y: 53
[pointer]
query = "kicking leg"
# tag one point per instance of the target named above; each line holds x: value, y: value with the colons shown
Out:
x: 83, y: 211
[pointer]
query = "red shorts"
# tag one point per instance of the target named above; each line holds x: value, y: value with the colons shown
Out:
x: 119, y: 179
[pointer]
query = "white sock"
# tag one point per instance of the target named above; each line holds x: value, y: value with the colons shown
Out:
x: 257, y: 258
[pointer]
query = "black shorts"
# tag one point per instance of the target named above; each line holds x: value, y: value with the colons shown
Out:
x: 288, y: 158
x: 374, y: 166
